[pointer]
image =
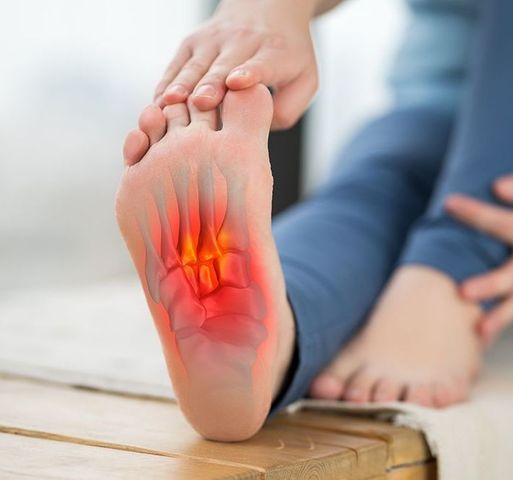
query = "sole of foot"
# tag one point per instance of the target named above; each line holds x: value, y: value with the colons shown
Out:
x: 419, y: 346
x: 194, y: 208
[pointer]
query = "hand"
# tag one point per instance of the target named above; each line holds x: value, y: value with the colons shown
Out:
x: 498, y: 283
x: 246, y: 43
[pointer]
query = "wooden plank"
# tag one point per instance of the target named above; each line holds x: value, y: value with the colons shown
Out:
x: 151, y: 426
x: 25, y: 457
x: 406, y: 446
x: 426, y: 471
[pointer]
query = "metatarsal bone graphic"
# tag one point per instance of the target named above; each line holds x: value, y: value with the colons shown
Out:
x: 233, y: 269
x: 179, y: 300
x: 168, y: 250
x: 207, y: 244
x: 186, y: 242
x: 235, y: 330
x: 243, y: 301
x: 155, y: 269
x: 233, y: 233
x: 207, y: 279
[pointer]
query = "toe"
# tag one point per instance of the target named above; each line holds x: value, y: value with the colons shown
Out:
x: 450, y: 393
x: 176, y: 115
x: 202, y: 117
x: 327, y: 387
x: 419, y: 394
x: 153, y: 123
x: 359, y: 387
x: 387, y: 390
x: 136, y: 145
x: 249, y: 111
x: 442, y: 395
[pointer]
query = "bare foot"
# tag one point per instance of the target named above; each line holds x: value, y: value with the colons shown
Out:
x: 194, y: 207
x: 419, y: 346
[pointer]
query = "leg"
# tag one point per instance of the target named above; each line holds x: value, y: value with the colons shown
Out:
x: 419, y: 344
x: 480, y: 153
x: 338, y: 248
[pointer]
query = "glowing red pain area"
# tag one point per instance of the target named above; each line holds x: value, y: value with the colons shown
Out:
x: 198, y: 265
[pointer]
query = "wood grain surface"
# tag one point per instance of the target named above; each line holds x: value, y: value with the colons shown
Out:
x: 57, y: 431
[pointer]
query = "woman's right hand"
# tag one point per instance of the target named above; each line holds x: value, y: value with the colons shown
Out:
x: 245, y: 43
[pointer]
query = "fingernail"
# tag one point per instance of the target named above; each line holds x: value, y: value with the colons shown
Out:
x: 205, y: 91
x: 176, y: 89
x: 239, y: 72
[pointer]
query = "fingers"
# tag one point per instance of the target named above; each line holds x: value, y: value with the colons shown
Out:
x: 189, y: 75
x: 495, y: 221
x: 269, y: 65
x: 496, y: 320
x: 503, y: 187
x: 182, y: 56
x: 496, y: 283
x: 211, y: 89
x: 291, y: 101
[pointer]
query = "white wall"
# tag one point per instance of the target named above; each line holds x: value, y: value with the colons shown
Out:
x: 356, y: 43
x: 74, y: 77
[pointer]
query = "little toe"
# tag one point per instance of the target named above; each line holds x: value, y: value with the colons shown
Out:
x: 153, y: 123
x: 177, y: 115
x: 136, y: 145
x: 387, y: 390
x: 359, y: 387
x: 419, y: 394
x: 327, y: 387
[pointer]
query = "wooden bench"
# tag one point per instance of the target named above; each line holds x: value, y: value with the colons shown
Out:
x: 50, y: 430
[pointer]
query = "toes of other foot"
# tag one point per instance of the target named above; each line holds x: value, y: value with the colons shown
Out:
x: 419, y: 394
x: 359, y: 388
x: 326, y: 387
x: 450, y: 393
x: 387, y: 390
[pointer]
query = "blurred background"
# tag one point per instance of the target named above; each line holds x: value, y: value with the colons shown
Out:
x: 74, y: 77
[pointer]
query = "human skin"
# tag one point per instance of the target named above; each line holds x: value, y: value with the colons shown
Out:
x: 195, y: 212
x: 244, y: 43
x: 496, y: 284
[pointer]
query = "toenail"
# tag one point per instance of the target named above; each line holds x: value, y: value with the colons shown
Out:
x: 205, y: 91
x: 178, y: 89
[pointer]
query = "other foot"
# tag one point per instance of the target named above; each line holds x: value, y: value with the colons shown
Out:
x: 194, y: 207
x: 418, y: 346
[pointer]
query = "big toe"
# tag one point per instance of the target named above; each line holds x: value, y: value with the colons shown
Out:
x: 249, y: 111
x: 136, y: 145
x: 327, y: 387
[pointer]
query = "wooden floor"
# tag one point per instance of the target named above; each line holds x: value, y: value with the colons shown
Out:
x: 58, y: 431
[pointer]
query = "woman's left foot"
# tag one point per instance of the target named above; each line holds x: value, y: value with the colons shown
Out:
x: 419, y: 346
